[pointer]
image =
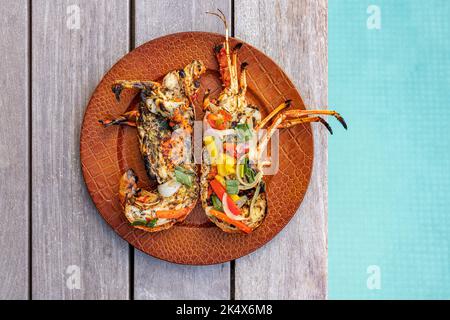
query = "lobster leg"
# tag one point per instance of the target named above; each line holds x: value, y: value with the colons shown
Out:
x: 297, y: 113
x: 292, y: 122
x: 243, y: 79
x: 119, y: 85
x: 305, y: 113
x: 274, y: 112
x: 234, y: 55
x: 270, y: 131
x: 234, y: 70
x: 128, y: 118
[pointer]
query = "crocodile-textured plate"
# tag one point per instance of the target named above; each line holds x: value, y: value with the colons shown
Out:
x: 107, y: 153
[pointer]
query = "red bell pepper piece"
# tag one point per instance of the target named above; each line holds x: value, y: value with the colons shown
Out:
x: 220, y: 120
x: 219, y: 190
x: 238, y: 224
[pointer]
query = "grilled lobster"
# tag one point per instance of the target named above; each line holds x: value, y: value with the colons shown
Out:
x: 164, y: 122
x: 233, y: 192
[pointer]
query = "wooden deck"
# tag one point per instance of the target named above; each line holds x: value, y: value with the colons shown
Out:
x: 53, y: 55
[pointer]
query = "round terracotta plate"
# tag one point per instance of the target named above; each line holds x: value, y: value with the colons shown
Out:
x: 107, y: 153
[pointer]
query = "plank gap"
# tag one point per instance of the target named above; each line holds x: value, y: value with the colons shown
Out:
x: 132, y: 45
x: 232, y: 280
x: 30, y: 157
x: 132, y: 23
x: 232, y: 18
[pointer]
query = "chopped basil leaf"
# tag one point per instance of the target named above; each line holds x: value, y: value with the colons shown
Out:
x: 217, y: 204
x: 184, y: 176
x: 139, y: 223
x: 164, y: 125
x: 248, y: 172
x: 145, y: 223
x: 243, y: 131
x: 232, y: 186
x: 152, y: 223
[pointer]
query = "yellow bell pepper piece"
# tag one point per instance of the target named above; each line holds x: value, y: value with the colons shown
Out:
x: 225, y: 165
x: 208, y: 139
x: 221, y: 169
x: 212, y: 151
x: 230, y: 164
x: 234, y: 197
x: 211, y: 147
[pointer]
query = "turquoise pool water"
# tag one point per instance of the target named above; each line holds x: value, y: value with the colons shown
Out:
x: 389, y: 174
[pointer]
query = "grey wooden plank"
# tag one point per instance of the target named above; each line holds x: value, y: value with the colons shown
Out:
x: 160, y: 17
x: 294, y: 264
x: 69, y: 236
x: 14, y: 155
x: 154, y: 278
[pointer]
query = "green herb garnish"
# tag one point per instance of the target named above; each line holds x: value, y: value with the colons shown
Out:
x: 217, y: 204
x: 139, y: 223
x: 243, y: 131
x: 249, y: 173
x: 232, y: 186
x: 184, y: 176
x: 152, y: 223
x: 145, y: 223
x: 164, y: 125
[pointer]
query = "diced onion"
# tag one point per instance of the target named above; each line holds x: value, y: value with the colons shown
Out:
x: 227, y: 210
x: 169, y: 188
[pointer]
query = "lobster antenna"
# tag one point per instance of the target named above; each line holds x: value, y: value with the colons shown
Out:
x: 222, y: 17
